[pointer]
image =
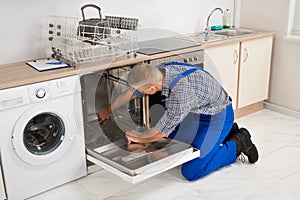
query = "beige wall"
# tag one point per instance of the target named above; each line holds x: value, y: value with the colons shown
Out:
x: 285, y: 70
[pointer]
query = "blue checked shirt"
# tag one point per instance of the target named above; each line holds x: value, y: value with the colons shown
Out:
x: 198, y: 93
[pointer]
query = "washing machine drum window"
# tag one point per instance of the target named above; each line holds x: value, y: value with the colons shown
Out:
x: 43, y: 133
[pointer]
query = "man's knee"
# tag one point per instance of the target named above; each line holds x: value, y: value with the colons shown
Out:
x: 192, y: 173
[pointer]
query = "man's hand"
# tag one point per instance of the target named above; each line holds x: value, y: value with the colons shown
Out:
x: 151, y: 136
x: 133, y: 136
x: 104, y: 114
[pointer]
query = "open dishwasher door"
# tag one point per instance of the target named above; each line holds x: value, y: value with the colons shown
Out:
x: 138, y: 162
x: 106, y: 144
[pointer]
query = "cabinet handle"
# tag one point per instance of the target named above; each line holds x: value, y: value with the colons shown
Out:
x: 236, y: 56
x: 245, y: 54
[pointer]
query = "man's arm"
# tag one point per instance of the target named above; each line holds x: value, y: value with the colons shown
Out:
x: 125, y: 97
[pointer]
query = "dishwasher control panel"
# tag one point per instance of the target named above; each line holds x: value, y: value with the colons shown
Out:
x: 194, y: 58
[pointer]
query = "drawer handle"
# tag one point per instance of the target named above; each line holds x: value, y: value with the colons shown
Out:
x: 245, y: 55
x: 236, y: 56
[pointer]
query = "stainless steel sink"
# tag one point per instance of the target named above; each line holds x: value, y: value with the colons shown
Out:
x: 235, y: 32
x: 206, y: 38
x: 213, y: 36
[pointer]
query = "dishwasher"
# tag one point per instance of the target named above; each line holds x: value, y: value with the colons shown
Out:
x: 106, y: 144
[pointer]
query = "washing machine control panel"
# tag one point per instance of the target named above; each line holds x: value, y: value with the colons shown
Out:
x: 39, y: 92
x: 26, y: 94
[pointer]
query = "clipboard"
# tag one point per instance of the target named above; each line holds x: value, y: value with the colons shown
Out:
x: 47, y: 64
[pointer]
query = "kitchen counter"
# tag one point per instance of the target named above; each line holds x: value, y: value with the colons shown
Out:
x: 17, y: 74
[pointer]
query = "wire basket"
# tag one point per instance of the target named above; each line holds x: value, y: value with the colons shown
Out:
x: 79, y: 43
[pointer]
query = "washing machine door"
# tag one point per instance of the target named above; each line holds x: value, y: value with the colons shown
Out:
x: 42, y: 134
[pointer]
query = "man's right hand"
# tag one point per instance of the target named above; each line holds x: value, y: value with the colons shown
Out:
x: 104, y: 114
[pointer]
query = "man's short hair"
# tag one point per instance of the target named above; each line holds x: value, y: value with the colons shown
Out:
x: 143, y: 74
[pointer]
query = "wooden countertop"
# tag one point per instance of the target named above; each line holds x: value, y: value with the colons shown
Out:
x: 17, y: 74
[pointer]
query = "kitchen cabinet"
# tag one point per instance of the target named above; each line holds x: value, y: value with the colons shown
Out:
x: 254, y: 73
x: 222, y: 62
x: 243, y: 68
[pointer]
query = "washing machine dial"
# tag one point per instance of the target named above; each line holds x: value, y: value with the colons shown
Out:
x: 40, y: 93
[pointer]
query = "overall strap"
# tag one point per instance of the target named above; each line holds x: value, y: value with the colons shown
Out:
x: 180, y: 76
x: 183, y: 74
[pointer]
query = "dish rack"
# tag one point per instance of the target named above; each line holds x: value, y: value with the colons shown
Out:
x: 76, y: 43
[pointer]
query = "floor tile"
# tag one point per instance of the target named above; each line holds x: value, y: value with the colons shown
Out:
x: 70, y: 191
x: 193, y: 195
x: 163, y: 186
x: 281, y: 163
x: 287, y: 188
x: 238, y: 184
x: 103, y: 184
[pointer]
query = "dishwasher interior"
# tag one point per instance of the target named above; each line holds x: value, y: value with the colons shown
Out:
x: 106, y: 144
x: 99, y: 90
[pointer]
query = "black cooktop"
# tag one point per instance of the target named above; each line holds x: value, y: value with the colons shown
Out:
x: 161, y: 45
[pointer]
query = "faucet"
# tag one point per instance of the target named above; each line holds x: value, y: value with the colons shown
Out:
x: 207, y: 28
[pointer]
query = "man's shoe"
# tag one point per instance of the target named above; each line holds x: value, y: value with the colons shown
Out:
x: 242, y: 138
x: 233, y: 130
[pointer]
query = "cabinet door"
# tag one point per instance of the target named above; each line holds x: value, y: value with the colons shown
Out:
x: 254, y: 71
x: 222, y: 62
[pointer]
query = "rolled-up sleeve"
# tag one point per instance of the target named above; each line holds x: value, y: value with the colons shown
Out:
x: 136, y: 93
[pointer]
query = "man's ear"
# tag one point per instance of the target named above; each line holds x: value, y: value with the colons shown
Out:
x: 152, y: 88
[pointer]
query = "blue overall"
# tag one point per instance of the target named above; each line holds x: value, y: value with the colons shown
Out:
x: 205, y: 132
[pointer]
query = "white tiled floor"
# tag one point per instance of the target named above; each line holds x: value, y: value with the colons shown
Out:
x: 275, y: 176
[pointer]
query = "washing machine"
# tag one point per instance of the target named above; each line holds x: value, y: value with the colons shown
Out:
x: 2, y: 191
x: 41, y: 140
